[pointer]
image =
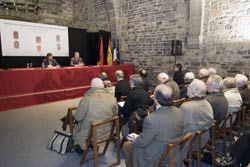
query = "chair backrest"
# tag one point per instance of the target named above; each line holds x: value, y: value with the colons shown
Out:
x: 123, y: 98
x: 112, y: 136
x: 178, y: 102
x: 187, y: 138
x: 70, y: 119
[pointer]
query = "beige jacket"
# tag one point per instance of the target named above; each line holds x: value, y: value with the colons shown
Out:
x: 97, y: 104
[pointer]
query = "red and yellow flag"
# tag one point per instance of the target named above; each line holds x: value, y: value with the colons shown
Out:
x: 109, y: 55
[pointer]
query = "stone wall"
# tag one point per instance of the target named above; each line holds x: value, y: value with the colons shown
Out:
x: 225, y: 38
x: 92, y: 15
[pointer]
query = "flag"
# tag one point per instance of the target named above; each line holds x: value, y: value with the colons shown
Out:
x: 101, y: 55
x: 109, y: 55
x: 116, y: 54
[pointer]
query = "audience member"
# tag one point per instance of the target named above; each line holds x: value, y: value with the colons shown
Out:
x: 136, y: 98
x: 160, y: 128
x: 49, y: 61
x: 240, y: 151
x: 76, y: 60
x: 188, y: 78
x: 203, y: 74
x: 232, y: 95
x: 216, y: 97
x: 241, y: 84
x: 164, y: 78
x: 97, y: 104
x: 212, y: 71
x: 197, y: 112
x: 104, y: 77
x: 143, y: 74
x: 122, y: 86
x: 178, y: 74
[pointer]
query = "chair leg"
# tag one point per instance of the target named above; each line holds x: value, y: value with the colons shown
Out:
x: 84, y: 154
x: 199, y: 152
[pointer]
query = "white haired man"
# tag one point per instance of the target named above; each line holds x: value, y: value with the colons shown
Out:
x: 197, y: 112
x: 188, y: 78
x: 122, y: 86
x: 241, y: 84
x: 97, y: 104
x: 159, y: 128
x: 212, y: 71
x: 232, y: 95
x: 216, y: 97
x: 164, y: 78
x: 203, y: 74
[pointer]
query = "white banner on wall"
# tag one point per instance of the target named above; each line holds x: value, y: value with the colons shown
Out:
x: 32, y: 39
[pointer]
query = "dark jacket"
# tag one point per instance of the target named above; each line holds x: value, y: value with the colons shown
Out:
x: 179, y: 78
x: 145, y: 84
x: 47, y: 62
x: 136, y: 98
x: 122, y: 88
x: 74, y: 61
x: 219, y: 104
x: 245, y: 95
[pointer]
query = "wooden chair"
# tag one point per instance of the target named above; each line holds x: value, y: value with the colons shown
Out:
x: 178, y: 102
x: 222, y: 131
x: 92, y: 139
x: 69, y: 118
x: 210, y: 145
x: 170, y: 150
x: 123, y: 98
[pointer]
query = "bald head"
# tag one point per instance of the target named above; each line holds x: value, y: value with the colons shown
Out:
x: 163, y: 95
x: 97, y: 83
x: 197, y: 88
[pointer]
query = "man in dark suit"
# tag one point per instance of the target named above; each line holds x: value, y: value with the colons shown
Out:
x: 161, y: 127
x: 76, y: 60
x: 136, y: 98
x: 122, y: 86
x: 49, y: 62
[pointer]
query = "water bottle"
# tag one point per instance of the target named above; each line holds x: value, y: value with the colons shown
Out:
x: 28, y: 65
x: 31, y: 65
x: 43, y: 65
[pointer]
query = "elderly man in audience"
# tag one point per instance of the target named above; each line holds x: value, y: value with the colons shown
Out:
x: 122, y: 86
x: 203, y: 74
x: 197, y: 112
x: 160, y: 128
x: 164, y: 78
x: 136, y: 98
x: 241, y: 84
x: 232, y: 95
x: 216, y: 97
x: 188, y: 78
x: 212, y: 71
x: 97, y: 104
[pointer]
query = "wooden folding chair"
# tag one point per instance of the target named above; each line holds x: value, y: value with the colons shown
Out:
x: 187, y: 138
x: 123, y: 98
x: 70, y: 120
x: 178, y: 102
x: 92, y: 138
x: 223, y: 131
x: 210, y: 145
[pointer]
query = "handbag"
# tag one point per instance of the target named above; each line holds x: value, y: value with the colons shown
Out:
x: 62, y: 142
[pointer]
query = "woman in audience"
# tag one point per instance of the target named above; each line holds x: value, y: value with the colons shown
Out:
x: 143, y: 74
x: 178, y: 74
